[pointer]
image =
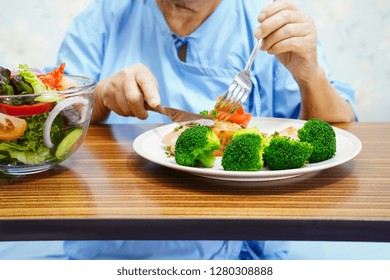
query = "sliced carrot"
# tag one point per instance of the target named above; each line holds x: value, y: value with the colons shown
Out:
x: 241, y: 119
x: 239, y: 116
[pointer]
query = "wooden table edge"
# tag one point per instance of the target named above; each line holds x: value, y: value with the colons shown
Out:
x: 195, y: 229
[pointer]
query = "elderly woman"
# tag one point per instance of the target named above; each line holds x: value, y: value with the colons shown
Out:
x: 184, y: 54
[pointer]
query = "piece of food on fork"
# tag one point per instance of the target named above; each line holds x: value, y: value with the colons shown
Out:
x: 239, y: 117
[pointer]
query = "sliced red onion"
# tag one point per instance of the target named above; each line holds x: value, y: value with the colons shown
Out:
x: 33, y: 70
x: 53, y: 114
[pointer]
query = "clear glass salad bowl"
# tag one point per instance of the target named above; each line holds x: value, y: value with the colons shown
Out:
x: 38, y: 131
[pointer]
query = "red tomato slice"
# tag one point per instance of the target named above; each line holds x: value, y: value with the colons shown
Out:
x: 53, y: 78
x: 11, y: 128
x: 26, y: 110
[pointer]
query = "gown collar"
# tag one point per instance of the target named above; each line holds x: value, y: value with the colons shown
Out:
x: 215, y: 19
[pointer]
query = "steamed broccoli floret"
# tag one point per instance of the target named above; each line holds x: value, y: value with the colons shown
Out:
x: 195, y: 146
x: 245, y: 151
x: 321, y: 136
x: 282, y: 152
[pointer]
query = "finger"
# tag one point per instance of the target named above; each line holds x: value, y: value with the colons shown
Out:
x: 286, y: 32
x: 114, y: 106
x: 148, y: 86
x: 279, y: 20
x: 294, y: 45
x: 134, y: 98
x: 121, y: 103
x: 274, y: 8
x: 112, y: 95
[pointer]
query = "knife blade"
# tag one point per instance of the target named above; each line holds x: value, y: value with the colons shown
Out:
x: 180, y: 116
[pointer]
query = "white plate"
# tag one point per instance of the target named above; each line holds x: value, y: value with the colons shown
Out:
x: 149, y: 146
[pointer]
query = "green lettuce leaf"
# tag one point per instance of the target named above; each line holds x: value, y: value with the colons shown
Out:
x: 31, y: 78
x: 30, y: 148
x: 24, y: 154
x: 5, y: 77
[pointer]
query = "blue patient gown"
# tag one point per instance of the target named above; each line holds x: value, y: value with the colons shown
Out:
x: 111, y: 35
x: 178, y: 249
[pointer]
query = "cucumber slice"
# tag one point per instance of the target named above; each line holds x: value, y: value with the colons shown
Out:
x: 65, y: 147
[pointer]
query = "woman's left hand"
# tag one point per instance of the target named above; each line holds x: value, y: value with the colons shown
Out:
x: 291, y: 36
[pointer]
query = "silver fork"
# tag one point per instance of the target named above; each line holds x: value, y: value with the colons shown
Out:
x: 238, y: 90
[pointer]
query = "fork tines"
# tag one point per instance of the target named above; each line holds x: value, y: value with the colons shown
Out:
x: 232, y: 100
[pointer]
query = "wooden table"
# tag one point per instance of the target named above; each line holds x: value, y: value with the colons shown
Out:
x: 106, y: 191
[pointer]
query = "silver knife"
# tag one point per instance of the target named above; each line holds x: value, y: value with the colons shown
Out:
x: 181, y: 116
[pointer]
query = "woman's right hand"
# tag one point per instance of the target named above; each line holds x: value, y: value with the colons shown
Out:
x: 125, y: 93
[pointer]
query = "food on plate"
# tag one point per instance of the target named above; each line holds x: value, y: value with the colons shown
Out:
x: 169, y: 140
x: 223, y: 130
x: 321, y: 136
x: 195, y: 145
x: 291, y: 132
x: 283, y: 152
x: 245, y: 151
x: 38, y: 123
x: 250, y: 149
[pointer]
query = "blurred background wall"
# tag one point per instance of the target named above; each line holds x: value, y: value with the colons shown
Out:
x: 355, y: 34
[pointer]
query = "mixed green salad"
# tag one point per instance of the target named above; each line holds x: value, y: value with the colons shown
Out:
x: 37, y: 122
